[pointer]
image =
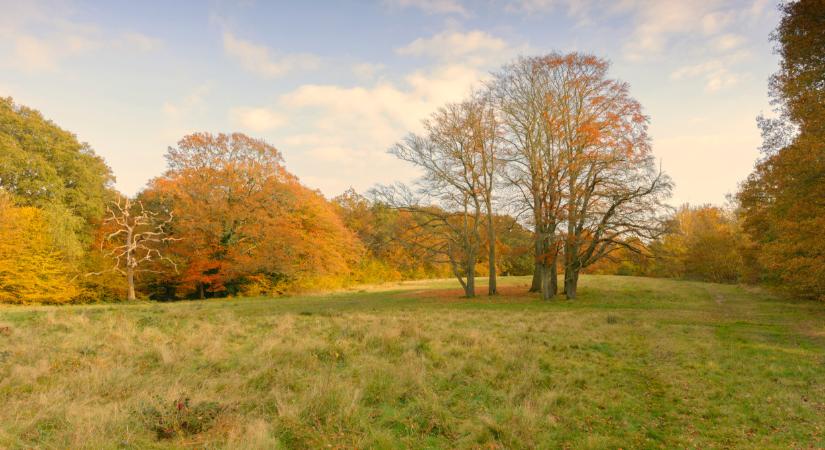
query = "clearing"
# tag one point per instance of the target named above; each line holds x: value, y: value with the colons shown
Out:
x: 633, y: 362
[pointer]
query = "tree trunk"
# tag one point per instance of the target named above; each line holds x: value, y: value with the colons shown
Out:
x: 549, y: 282
x: 535, y: 286
x: 130, y: 280
x: 470, y: 288
x: 492, y: 288
x: 539, y: 266
x: 130, y: 264
x: 201, y: 291
x: 571, y: 281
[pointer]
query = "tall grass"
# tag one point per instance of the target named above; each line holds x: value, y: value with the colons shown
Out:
x: 632, y: 363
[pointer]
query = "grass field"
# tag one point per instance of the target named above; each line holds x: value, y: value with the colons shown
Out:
x: 632, y: 363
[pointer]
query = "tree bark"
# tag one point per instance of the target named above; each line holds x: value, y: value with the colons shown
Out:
x: 492, y: 289
x: 571, y: 281
x: 130, y: 280
x: 470, y: 288
x: 549, y: 282
x: 539, y: 265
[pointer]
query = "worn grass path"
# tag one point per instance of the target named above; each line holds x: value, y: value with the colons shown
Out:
x: 632, y: 363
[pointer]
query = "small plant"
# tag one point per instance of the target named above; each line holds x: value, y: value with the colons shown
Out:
x: 180, y: 417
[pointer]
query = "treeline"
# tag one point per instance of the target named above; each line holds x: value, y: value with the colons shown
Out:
x: 772, y: 233
x: 225, y: 219
x: 705, y: 243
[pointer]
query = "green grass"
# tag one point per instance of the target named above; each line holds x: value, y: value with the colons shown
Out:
x: 632, y: 363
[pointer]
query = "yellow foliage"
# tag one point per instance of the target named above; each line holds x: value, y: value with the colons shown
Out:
x: 32, y: 270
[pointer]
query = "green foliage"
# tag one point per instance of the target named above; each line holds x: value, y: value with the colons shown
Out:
x: 45, y: 166
x: 58, y: 188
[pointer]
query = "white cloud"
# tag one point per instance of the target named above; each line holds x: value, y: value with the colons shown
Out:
x: 716, y: 72
x: 40, y: 36
x: 351, y: 128
x: 260, y: 60
x: 33, y: 54
x: 256, y: 119
x: 139, y: 41
x: 728, y: 41
x: 473, y: 47
x: 191, y: 104
x: 341, y: 133
x: 452, y: 44
x: 367, y: 71
x: 431, y: 6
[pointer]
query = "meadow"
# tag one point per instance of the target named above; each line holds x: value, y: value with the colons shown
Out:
x: 631, y: 363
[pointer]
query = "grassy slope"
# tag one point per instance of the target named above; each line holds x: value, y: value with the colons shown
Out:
x: 632, y: 363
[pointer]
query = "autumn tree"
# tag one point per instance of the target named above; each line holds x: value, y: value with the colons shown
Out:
x: 32, y: 267
x: 457, y: 154
x: 702, y: 243
x: 135, y: 240
x: 532, y: 168
x: 385, y: 232
x: 782, y: 200
x: 243, y: 217
x: 612, y: 193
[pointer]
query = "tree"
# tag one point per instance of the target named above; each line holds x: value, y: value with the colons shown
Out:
x: 241, y: 214
x: 386, y: 232
x: 45, y: 166
x: 611, y: 191
x: 703, y: 243
x: 457, y: 154
x: 521, y: 90
x: 136, y: 237
x: 782, y: 200
x: 32, y: 268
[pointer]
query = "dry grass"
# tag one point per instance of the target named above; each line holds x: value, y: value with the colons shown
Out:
x: 632, y: 363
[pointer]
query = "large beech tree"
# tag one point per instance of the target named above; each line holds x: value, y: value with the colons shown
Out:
x: 611, y: 191
x: 579, y: 159
x: 520, y: 90
x: 241, y: 213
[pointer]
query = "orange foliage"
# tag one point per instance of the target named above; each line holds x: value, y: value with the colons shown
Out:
x: 239, y: 213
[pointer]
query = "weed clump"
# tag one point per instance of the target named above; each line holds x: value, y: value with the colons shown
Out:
x: 179, y: 418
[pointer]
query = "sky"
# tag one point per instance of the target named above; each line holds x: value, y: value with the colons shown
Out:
x: 334, y: 84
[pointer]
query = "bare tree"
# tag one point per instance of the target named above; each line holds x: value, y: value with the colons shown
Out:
x: 137, y: 237
x: 442, y: 236
x: 457, y: 156
x: 485, y: 131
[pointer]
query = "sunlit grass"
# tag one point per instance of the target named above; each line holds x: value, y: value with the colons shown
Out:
x: 633, y: 363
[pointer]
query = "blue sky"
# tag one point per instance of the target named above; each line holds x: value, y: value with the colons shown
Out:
x: 333, y: 84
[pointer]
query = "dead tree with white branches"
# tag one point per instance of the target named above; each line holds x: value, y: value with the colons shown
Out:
x: 137, y: 237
